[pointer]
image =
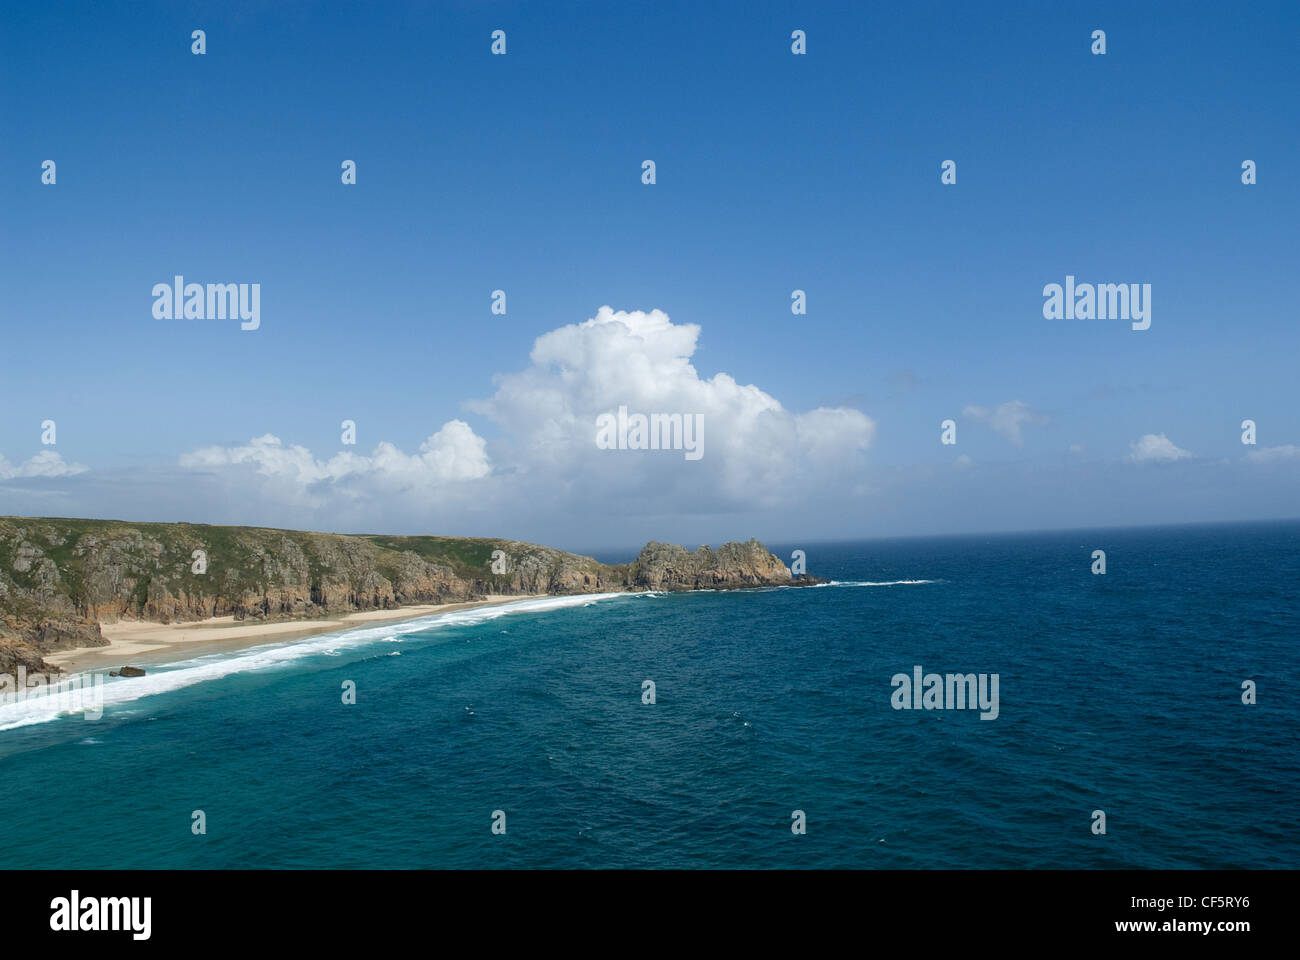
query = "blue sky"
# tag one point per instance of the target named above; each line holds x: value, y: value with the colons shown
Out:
x: 775, y: 172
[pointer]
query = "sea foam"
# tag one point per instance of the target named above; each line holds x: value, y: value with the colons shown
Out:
x: 165, y: 678
x: 873, y: 583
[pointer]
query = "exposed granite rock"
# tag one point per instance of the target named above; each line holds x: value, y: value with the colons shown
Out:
x: 15, y: 654
x: 664, y: 566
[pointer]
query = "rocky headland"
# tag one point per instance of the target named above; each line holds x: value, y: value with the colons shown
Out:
x: 61, y: 579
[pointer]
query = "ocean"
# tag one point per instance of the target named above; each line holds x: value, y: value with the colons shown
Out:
x: 517, y: 736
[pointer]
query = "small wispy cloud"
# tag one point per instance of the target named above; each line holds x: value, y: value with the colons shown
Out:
x: 1280, y: 454
x: 1007, y: 418
x: 1155, y: 448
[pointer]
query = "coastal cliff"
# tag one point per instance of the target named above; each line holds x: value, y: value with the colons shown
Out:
x: 60, y: 579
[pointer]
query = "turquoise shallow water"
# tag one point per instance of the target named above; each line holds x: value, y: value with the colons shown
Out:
x: 1119, y: 692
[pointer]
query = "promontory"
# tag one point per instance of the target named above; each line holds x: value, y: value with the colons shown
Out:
x: 61, y: 578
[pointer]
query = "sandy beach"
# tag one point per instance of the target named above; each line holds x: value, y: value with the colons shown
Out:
x: 140, y: 643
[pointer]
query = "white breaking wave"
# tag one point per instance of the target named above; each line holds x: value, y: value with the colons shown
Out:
x: 872, y: 583
x: 165, y: 678
x: 792, y: 586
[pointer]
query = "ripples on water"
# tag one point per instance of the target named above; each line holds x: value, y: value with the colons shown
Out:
x: 1119, y: 693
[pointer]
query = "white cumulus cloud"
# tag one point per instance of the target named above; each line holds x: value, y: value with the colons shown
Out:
x: 47, y: 463
x: 754, y: 453
x: 754, y: 450
x: 452, y: 455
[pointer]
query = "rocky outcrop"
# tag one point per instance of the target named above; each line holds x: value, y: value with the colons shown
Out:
x: 15, y: 655
x: 664, y: 566
x: 60, y: 579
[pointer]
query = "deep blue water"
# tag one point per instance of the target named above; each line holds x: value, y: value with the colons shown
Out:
x: 1119, y: 692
